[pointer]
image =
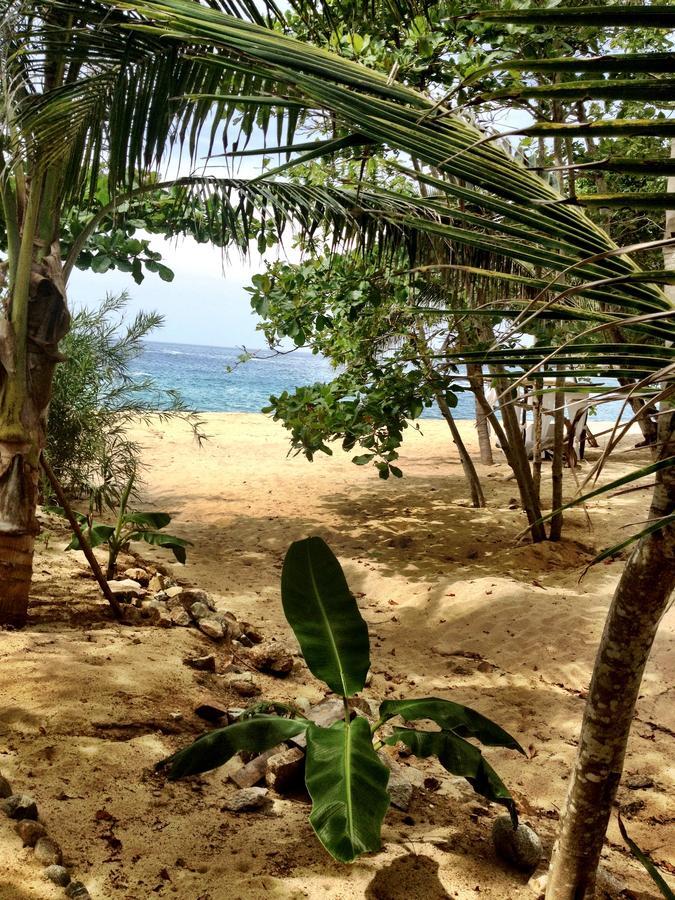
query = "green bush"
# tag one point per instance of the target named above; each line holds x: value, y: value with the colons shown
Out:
x: 95, y: 399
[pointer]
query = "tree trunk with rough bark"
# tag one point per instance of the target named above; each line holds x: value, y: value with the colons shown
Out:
x: 557, y: 464
x: 477, y: 496
x: 640, y: 600
x: 29, y: 352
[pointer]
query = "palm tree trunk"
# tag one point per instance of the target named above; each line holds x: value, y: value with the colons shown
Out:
x: 640, y: 600
x: 477, y: 496
x: 475, y: 372
x: 557, y: 464
x: 38, y: 320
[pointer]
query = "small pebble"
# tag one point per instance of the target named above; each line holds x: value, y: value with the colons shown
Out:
x: 519, y: 846
x: 5, y: 787
x: 58, y: 874
x: 201, y: 663
x: 48, y: 852
x: 20, y: 806
x: 77, y: 891
x: 30, y: 832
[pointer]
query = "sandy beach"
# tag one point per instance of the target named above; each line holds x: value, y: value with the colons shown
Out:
x: 456, y: 607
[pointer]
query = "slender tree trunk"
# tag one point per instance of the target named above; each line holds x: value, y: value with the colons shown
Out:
x: 517, y: 460
x: 557, y: 464
x: 520, y: 463
x: 475, y: 373
x: 640, y: 600
x: 477, y: 496
x: 536, y: 433
x: 31, y: 330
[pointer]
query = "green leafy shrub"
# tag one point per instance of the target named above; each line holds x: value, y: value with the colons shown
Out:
x: 344, y: 775
x: 95, y: 398
x: 129, y: 526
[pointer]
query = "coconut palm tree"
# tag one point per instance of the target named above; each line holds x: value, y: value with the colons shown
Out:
x: 481, y: 197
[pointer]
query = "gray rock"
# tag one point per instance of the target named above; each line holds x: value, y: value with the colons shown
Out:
x: 30, y: 831
x: 638, y: 782
x: 249, y: 800
x: 58, y: 874
x: 400, y: 791
x: 196, y: 595
x: 5, y: 787
x: 210, y: 627
x: 77, y: 891
x: 156, y: 613
x: 201, y: 663
x: 519, y: 846
x: 200, y: 611
x: 19, y: 806
x: 178, y: 616
x: 48, y: 852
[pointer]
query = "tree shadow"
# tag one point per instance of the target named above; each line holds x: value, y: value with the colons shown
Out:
x: 407, y: 876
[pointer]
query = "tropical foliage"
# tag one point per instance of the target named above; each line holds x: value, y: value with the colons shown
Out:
x: 344, y: 775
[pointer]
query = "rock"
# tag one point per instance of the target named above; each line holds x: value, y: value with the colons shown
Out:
x: 243, y: 684
x: 513, y: 503
x: 30, y: 831
x: 159, y: 582
x: 211, y: 712
x: 77, y: 891
x: 201, y: 663
x: 156, y: 613
x: 5, y: 787
x: 249, y: 800
x: 131, y: 615
x: 200, y: 611
x: 285, y: 770
x: 174, y: 591
x: 19, y: 806
x: 272, y: 659
x: 58, y: 874
x: 639, y: 782
x: 254, y: 771
x: 324, y: 714
x: 196, y: 595
x: 519, y: 846
x: 251, y: 633
x: 400, y: 790
x: 178, y: 616
x: 139, y: 575
x: 48, y: 852
x: 125, y: 589
x: 210, y: 627
x: 537, y: 884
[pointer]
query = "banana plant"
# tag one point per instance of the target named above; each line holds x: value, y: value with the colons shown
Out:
x: 129, y: 526
x: 344, y: 775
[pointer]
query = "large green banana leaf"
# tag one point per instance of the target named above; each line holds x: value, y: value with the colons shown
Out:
x: 324, y: 616
x: 347, y: 782
x: 459, y: 757
x: 451, y: 717
x: 254, y: 735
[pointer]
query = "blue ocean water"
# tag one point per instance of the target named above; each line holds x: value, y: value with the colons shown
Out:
x: 210, y: 380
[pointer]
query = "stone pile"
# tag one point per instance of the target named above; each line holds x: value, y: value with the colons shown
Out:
x: 33, y: 833
x: 155, y: 599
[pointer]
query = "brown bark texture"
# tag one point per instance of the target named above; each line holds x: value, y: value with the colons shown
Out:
x: 20, y: 448
x: 640, y: 600
x: 472, y: 479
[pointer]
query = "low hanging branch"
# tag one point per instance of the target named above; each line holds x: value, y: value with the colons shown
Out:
x: 84, y: 543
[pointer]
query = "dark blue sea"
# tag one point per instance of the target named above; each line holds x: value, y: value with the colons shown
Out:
x: 210, y: 379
